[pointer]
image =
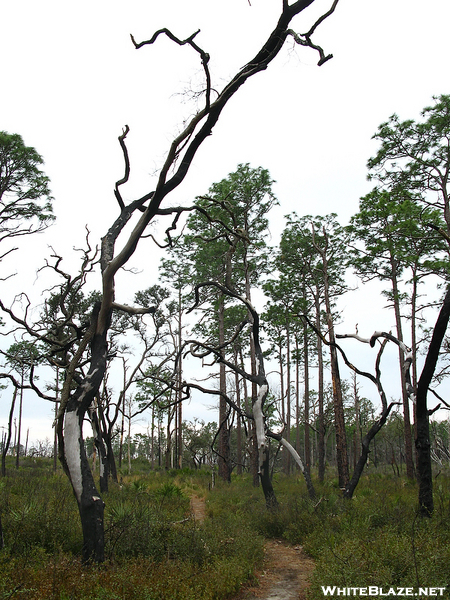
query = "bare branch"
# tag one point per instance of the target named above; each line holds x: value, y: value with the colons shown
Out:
x: 127, y: 167
x: 133, y: 310
x: 190, y: 41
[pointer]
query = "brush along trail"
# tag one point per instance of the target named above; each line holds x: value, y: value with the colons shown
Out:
x: 284, y: 574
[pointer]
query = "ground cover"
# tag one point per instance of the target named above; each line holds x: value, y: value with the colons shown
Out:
x: 171, y: 537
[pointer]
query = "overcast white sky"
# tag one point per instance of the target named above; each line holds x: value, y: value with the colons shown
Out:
x: 71, y: 79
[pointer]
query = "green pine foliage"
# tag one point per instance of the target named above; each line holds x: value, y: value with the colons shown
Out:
x: 25, y: 198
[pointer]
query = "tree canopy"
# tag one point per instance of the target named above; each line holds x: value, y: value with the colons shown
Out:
x: 25, y: 197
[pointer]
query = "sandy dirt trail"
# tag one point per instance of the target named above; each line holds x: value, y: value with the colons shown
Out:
x: 284, y: 574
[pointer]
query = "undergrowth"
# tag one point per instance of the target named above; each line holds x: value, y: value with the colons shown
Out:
x: 375, y: 539
x: 156, y: 552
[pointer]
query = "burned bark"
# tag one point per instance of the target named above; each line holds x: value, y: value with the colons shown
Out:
x: 72, y: 452
x: 426, y: 504
x: 8, y: 435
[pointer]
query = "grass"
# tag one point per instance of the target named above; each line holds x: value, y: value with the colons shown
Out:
x: 375, y: 539
x: 155, y: 553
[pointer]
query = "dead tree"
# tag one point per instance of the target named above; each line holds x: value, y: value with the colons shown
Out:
x: 139, y: 213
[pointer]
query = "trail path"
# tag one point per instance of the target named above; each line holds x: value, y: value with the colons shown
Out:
x: 284, y: 574
x: 198, y: 508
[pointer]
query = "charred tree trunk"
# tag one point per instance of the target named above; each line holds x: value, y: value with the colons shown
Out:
x: 426, y: 505
x: 339, y: 422
x: 122, y: 432
x: 90, y: 504
x: 357, y: 419
x: 101, y: 450
x: 287, y: 431
x: 338, y: 401
x: 180, y: 380
x: 106, y: 429
x: 365, y: 449
x: 238, y: 417
x: 8, y: 438
x: 72, y: 449
x: 19, y: 428
x: 297, y: 395
x: 306, y: 374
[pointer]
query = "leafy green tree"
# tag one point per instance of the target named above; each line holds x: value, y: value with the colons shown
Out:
x: 414, y: 157
x: 176, y: 272
x: 198, y: 439
x: 312, y: 260
x: 154, y: 392
x: 228, y: 247
x: 392, y: 241
x: 25, y: 198
x: 148, y: 352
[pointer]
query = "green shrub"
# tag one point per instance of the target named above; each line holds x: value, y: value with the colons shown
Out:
x: 156, y: 552
x: 39, y: 511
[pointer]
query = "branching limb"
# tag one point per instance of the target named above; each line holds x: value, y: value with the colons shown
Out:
x: 74, y: 363
x: 446, y: 404
x: 134, y: 310
x: 322, y: 18
x: 228, y: 232
x: 365, y: 449
x: 376, y: 379
x: 408, y: 357
x: 344, y: 356
x: 304, y: 39
x: 214, y: 392
x: 441, y: 231
x: 190, y: 42
x: 127, y: 167
x: 293, y: 452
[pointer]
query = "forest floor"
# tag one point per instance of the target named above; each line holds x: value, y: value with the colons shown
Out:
x: 284, y: 574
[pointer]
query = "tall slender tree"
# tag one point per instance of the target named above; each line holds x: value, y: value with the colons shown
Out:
x: 312, y: 259
x: 389, y: 229
x: 228, y: 246
x: 414, y: 156
x: 22, y: 357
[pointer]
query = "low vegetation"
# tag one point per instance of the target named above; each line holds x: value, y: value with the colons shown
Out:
x: 156, y: 551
